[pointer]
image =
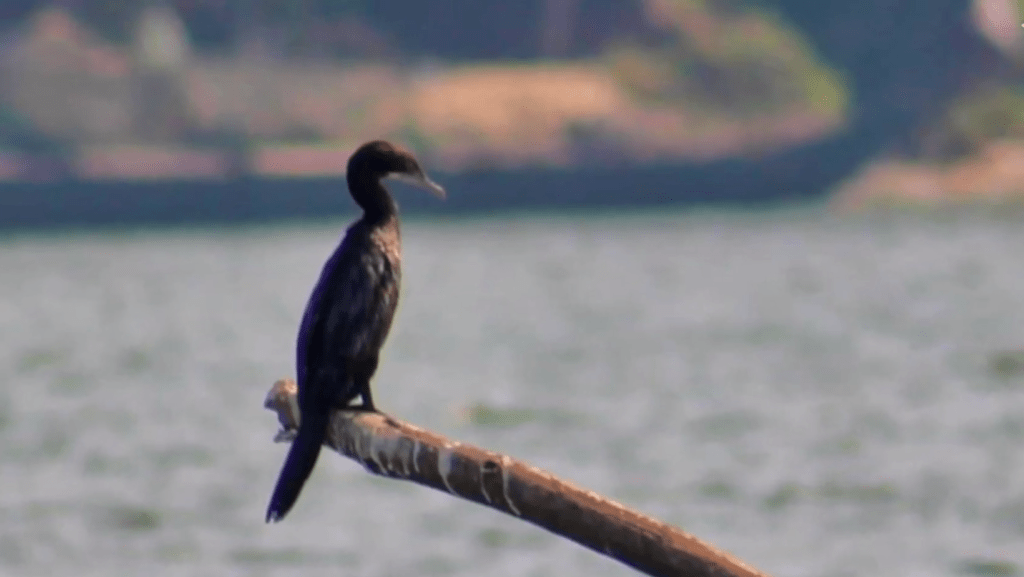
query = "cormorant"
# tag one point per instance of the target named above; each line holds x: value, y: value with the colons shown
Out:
x: 349, y: 312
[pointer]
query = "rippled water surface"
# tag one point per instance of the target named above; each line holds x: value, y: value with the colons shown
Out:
x: 821, y: 395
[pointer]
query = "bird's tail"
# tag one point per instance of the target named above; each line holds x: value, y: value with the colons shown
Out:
x: 299, y: 464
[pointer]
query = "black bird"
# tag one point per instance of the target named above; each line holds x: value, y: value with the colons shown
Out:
x: 349, y: 313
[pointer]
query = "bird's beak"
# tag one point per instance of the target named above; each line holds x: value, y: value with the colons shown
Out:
x: 419, y: 181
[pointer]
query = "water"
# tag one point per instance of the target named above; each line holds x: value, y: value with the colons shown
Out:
x: 814, y: 393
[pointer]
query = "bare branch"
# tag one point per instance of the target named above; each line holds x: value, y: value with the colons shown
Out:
x: 388, y: 447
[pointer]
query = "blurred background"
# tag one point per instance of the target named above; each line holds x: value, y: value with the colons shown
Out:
x: 749, y: 266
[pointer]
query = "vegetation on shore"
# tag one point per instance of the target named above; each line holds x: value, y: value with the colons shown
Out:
x: 715, y: 82
x: 121, y: 91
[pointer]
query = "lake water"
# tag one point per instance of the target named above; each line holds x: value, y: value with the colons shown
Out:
x: 820, y: 394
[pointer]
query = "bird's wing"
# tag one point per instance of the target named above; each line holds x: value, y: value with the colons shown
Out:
x: 349, y: 312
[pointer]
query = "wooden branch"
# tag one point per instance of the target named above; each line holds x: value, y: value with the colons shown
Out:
x: 388, y: 447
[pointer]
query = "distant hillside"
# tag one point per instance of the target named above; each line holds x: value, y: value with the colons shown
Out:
x: 477, y: 84
x: 683, y: 81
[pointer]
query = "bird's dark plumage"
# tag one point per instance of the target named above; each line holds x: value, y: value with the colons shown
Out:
x: 349, y: 312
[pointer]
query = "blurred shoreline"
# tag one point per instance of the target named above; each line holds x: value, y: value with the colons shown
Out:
x: 735, y: 105
x: 156, y: 109
x: 170, y: 187
x: 206, y: 200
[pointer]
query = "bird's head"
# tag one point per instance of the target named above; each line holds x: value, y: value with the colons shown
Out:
x: 379, y: 159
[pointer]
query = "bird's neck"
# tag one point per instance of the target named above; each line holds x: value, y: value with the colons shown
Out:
x: 373, y: 198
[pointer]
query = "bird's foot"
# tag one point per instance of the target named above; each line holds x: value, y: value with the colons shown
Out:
x: 365, y: 407
x: 367, y: 398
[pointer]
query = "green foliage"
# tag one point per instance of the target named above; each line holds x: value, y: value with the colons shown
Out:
x: 730, y: 59
x: 993, y: 112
